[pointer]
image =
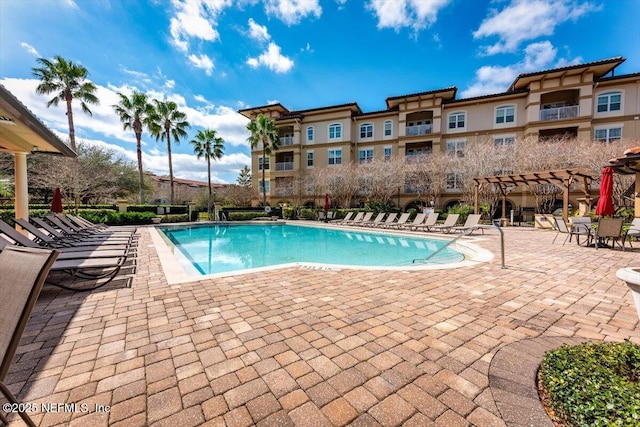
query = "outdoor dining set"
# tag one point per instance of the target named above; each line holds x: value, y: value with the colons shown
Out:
x: 607, y: 232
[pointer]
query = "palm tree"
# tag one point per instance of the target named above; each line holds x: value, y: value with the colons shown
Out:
x: 66, y: 80
x: 209, y: 145
x: 134, y: 112
x: 264, y: 130
x: 165, y: 123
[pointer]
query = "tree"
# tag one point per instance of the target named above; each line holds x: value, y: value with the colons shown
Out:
x: 134, y: 112
x: 263, y: 131
x: 168, y: 121
x: 67, y: 81
x: 209, y: 145
x: 244, y: 178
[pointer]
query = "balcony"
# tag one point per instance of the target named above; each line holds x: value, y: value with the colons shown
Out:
x: 284, y: 166
x: 559, y: 113
x: 419, y: 130
x: 286, y: 140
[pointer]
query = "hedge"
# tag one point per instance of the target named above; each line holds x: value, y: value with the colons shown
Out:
x: 175, y: 218
x: 110, y: 217
x: 173, y: 209
x: 245, y: 216
x: 45, y: 206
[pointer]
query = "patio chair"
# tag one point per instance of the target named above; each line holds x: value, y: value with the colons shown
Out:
x: 346, y: 218
x: 363, y: 220
x: 358, y: 217
x: 89, y: 231
x: 609, y: 229
x: 377, y: 220
x: 321, y: 216
x: 69, y: 253
x: 70, y: 231
x: 71, y: 240
x: 561, y: 228
x: 431, y: 220
x: 469, y: 226
x: 401, y: 221
x: 449, y: 222
x: 633, y: 231
x: 419, y: 219
x: 390, y: 218
x: 23, y: 273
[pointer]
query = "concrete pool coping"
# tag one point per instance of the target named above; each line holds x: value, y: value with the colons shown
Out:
x: 177, y: 268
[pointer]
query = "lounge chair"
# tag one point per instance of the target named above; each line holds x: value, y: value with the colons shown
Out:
x: 609, y: 229
x: 24, y: 271
x: 390, y: 218
x: 346, y: 218
x: 321, y: 216
x: 400, y: 222
x: 366, y: 218
x: 561, y: 228
x: 71, y: 240
x: 431, y: 220
x: 469, y: 226
x: 419, y: 219
x: 633, y: 231
x: 358, y: 217
x: 71, y: 231
x: 449, y: 222
x: 74, y: 253
x: 89, y: 231
x: 377, y: 220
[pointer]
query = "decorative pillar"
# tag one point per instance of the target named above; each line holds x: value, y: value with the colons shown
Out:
x: 637, y: 198
x: 21, y: 187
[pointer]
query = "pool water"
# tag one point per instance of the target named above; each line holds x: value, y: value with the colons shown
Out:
x: 224, y: 248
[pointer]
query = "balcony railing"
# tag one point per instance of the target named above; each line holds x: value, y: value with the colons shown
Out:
x: 559, y: 113
x: 284, y: 191
x: 284, y: 166
x: 286, y: 140
x: 419, y: 130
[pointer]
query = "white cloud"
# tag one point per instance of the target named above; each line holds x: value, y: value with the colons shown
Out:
x: 195, y: 19
x: 292, y: 11
x: 32, y: 50
x: 495, y: 79
x: 170, y: 84
x: 307, y: 48
x: 397, y: 14
x: 273, y: 59
x: 258, y: 32
x: 201, y: 98
x: 524, y: 20
x: 272, y: 101
x: 202, y: 61
x: 72, y: 4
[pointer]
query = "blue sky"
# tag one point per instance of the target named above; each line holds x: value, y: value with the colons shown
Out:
x: 214, y: 57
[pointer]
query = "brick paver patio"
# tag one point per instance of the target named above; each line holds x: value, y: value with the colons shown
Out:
x: 311, y: 347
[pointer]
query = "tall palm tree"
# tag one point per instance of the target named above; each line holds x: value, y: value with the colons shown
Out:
x: 209, y: 145
x: 168, y: 121
x: 134, y: 113
x: 67, y: 81
x: 264, y: 130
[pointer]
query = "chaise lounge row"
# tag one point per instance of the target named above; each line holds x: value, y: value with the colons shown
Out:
x: 421, y: 222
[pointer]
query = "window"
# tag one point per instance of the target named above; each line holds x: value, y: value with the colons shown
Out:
x: 366, y: 131
x: 608, y: 135
x: 365, y: 155
x: 265, y: 187
x: 456, y: 147
x: 388, y: 128
x: 310, y: 159
x: 266, y: 163
x: 457, y: 120
x: 609, y: 101
x: 387, y: 153
x: 335, y: 157
x: 335, y: 131
x: 503, y: 141
x: 310, y: 134
x: 505, y: 114
x: 453, y: 181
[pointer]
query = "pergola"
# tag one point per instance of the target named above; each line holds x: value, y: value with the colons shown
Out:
x: 564, y: 179
x: 21, y: 133
x: 629, y: 164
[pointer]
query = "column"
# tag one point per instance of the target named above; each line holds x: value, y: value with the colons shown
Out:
x: 21, y: 187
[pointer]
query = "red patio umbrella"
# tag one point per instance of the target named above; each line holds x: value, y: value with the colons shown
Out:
x: 56, y: 203
x: 326, y: 202
x: 605, y: 202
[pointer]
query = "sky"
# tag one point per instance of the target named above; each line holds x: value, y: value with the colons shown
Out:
x: 214, y: 57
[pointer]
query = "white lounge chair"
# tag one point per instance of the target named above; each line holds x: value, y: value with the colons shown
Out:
x: 419, y: 219
x: 449, y: 222
x: 390, y: 218
x: 401, y: 221
x: 431, y: 220
x: 469, y: 225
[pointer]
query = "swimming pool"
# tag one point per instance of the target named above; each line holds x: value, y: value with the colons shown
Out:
x: 214, y: 249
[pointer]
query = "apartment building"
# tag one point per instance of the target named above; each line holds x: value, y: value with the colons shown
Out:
x: 586, y: 101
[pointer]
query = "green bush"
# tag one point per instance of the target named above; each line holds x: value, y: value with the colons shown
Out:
x: 175, y: 218
x: 593, y: 384
x: 110, y: 217
x: 462, y: 210
x: 173, y: 209
x: 306, y: 213
x: 288, y: 213
x: 245, y: 216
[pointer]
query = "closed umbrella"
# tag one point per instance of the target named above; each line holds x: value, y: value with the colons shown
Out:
x: 605, y: 202
x: 56, y: 203
x: 326, y: 202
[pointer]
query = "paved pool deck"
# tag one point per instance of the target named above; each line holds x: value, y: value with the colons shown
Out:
x: 316, y: 347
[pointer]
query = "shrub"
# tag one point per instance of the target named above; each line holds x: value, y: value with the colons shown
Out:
x: 245, y: 216
x: 288, y: 213
x: 593, y: 384
x: 175, y: 218
x: 462, y: 210
x: 110, y: 217
x: 308, y: 213
x: 173, y: 209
